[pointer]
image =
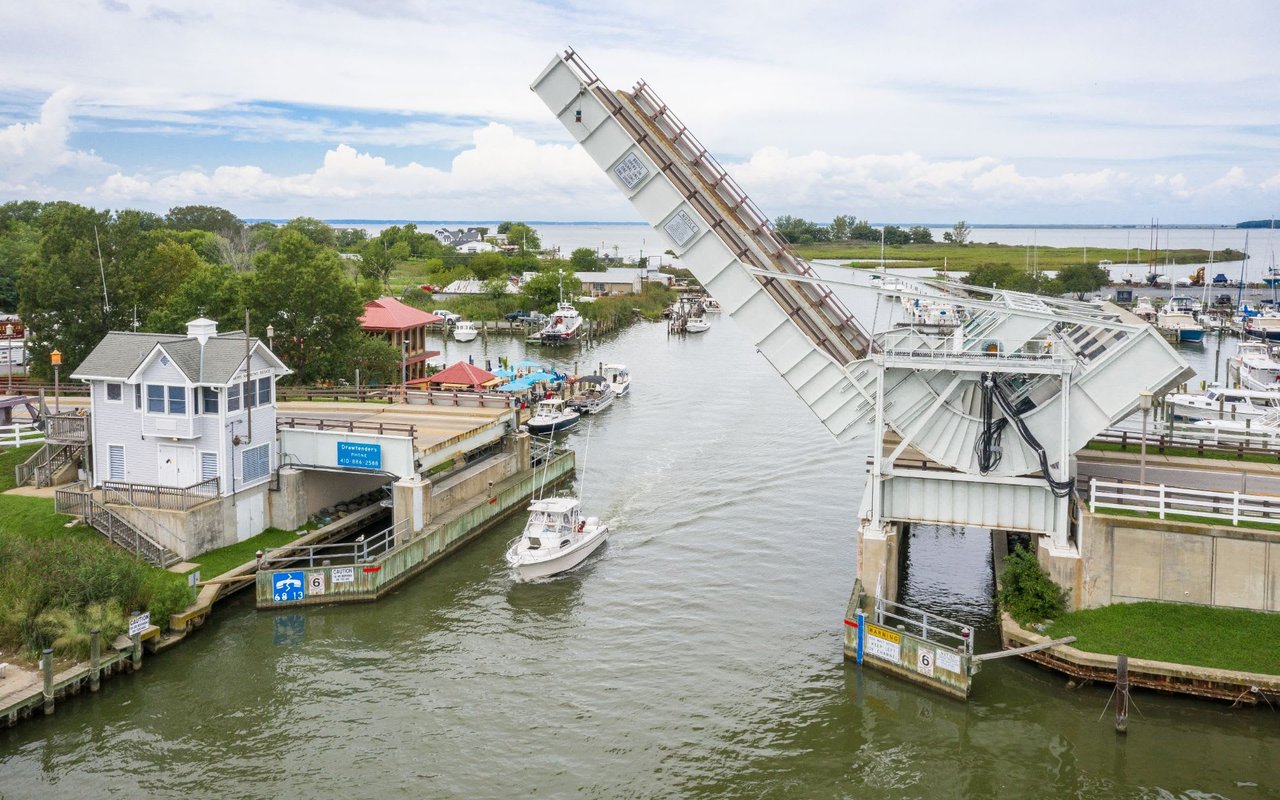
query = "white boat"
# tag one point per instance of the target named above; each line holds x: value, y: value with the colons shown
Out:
x: 927, y: 315
x: 555, y: 539
x: 1144, y: 310
x: 697, y: 325
x: 551, y: 416
x: 1255, y: 366
x: 563, y: 325
x: 595, y: 395
x: 711, y: 305
x: 1220, y: 403
x: 1176, y: 318
x: 465, y: 331
x: 1263, y: 326
x: 619, y: 378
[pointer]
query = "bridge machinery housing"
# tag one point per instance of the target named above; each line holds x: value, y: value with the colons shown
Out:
x: 977, y: 425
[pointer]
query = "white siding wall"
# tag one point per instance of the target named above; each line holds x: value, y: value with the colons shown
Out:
x: 118, y: 423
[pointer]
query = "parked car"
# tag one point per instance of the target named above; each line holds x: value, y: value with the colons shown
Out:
x: 527, y: 316
x: 428, y: 287
x: 450, y: 318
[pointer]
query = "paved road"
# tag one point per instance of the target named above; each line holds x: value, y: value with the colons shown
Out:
x: 1248, y: 478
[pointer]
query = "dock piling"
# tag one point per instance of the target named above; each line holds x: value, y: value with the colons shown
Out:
x: 135, y: 661
x: 46, y: 666
x: 1122, y: 694
x: 95, y: 659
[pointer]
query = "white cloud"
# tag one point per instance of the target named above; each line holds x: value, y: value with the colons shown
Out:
x: 499, y: 172
x: 33, y: 149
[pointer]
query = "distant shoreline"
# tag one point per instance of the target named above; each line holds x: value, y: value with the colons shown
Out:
x: 976, y: 225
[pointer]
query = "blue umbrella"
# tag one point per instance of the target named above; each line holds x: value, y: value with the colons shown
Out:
x: 518, y: 385
x: 540, y: 376
x: 503, y: 372
x: 526, y: 364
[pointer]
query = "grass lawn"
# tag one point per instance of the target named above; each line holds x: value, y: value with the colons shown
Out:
x: 11, y: 457
x: 1183, y: 452
x: 224, y: 559
x: 1245, y: 522
x: 1182, y: 634
x: 966, y: 257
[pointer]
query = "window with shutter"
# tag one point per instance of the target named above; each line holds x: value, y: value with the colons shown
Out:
x: 208, y: 465
x: 256, y: 464
x: 115, y: 461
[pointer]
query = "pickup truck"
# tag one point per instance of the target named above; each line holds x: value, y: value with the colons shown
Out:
x: 450, y: 318
x: 535, y: 317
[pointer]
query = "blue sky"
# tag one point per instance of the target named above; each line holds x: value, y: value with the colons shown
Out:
x: 996, y: 112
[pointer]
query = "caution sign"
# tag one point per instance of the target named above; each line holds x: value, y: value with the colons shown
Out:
x: 343, y: 574
x: 315, y: 583
x: 883, y: 643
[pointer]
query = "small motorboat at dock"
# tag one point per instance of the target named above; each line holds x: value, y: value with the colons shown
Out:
x: 555, y: 539
x: 552, y: 415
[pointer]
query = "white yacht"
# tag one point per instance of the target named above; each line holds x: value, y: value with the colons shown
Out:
x: 619, y: 378
x: 1144, y: 310
x: 711, y: 305
x: 551, y: 416
x: 1220, y: 403
x: 697, y: 325
x: 563, y: 325
x: 1255, y: 366
x: 1263, y: 326
x: 465, y: 331
x: 555, y: 539
x: 1177, y: 318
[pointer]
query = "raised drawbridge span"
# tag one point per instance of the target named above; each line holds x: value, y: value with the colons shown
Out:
x: 978, y: 425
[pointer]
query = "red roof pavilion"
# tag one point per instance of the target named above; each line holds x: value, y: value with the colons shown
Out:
x: 389, y: 314
x: 461, y: 376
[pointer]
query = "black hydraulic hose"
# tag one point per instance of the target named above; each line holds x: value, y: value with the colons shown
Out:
x: 1059, y: 488
x: 987, y: 445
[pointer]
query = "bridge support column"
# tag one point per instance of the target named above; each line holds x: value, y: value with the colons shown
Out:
x: 411, y: 502
x: 878, y: 547
x: 1066, y: 568
x: 289, y: 504
x: 522, y: 445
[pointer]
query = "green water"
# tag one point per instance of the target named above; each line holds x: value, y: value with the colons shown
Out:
x: 699, y: 655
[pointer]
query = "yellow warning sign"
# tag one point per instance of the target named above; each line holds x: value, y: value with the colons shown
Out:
x: 884, y: 633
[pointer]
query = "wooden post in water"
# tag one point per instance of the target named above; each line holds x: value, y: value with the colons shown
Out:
x: 1122, y: 694
x: 135, y: 663
x: 46, y: 666
x: 95, y: 659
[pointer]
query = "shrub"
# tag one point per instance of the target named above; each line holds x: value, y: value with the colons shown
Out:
x: 1026, y: 590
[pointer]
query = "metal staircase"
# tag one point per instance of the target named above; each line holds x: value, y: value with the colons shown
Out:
x: 1063, y: 371
x: 116, y: 528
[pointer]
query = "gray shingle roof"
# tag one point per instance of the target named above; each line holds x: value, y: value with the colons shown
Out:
x: 120, y: 354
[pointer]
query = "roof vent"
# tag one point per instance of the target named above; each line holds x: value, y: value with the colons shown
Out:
x: 202, y: 329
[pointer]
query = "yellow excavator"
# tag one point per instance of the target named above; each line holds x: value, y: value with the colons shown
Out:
x: 1197, y: 277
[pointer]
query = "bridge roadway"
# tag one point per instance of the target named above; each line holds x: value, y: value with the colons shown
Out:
x: 431, y: 424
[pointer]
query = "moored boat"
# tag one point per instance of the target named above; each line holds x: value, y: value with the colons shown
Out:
x: 619, y: 378
x: 465, y: 331
x: 563, y: 325
x: 711, y: 305
x: 1255, y: 366
x: 697, y: 325
x: 1220, y: 403
x: 1176, y: 318
x: 552, y: 415
x: 595, y: 395
x: 555, y: 539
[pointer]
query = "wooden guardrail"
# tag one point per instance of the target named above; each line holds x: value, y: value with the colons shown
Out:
x: 169, y: 498
x: 1182, y: 440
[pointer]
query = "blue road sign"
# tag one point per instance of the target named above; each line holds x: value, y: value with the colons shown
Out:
x: 286, y: 586
x: 359, y: 454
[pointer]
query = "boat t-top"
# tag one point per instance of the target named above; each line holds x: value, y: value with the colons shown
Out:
x: 563, y: 325
x: 552, y: 415
x: 619, y: 378
x: 595, y: 395
x: 555, y: 539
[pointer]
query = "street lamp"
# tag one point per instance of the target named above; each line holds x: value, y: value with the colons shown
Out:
x: 1145, y: 401
x: 271, y: 335
x: 55, y: 358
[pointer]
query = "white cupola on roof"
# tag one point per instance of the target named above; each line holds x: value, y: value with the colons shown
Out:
x: 202, y: 329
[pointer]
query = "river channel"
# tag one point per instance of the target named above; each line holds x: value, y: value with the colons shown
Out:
x: 699, y: 655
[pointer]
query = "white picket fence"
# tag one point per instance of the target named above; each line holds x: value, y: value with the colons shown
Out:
x: 20, y: 433
x: 1233, y: 507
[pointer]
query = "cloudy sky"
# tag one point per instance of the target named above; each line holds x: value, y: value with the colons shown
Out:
x: 929, y: 111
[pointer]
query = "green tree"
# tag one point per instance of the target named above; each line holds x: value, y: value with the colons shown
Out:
x: 351, y: 239
x: 584, y: 259
x: 1082, y: 278
x: 376, y: 358
x: 840, y: 227
x: 959, y: 233
x: 920, y: 235
x: 895, y: 235
x: 545, y: 289
x: 19, y: 244
x: 315, y: 230
x: 496, y: 288
x: 861, y: 231
x: 488, y: 265
x: 302, y: 290
x: 798, y: 230
x: 210, y: 290
x: 522, y: 236
x: 204, y: 218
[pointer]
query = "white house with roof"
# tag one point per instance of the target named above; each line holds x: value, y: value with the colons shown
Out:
x: 181, y: 412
